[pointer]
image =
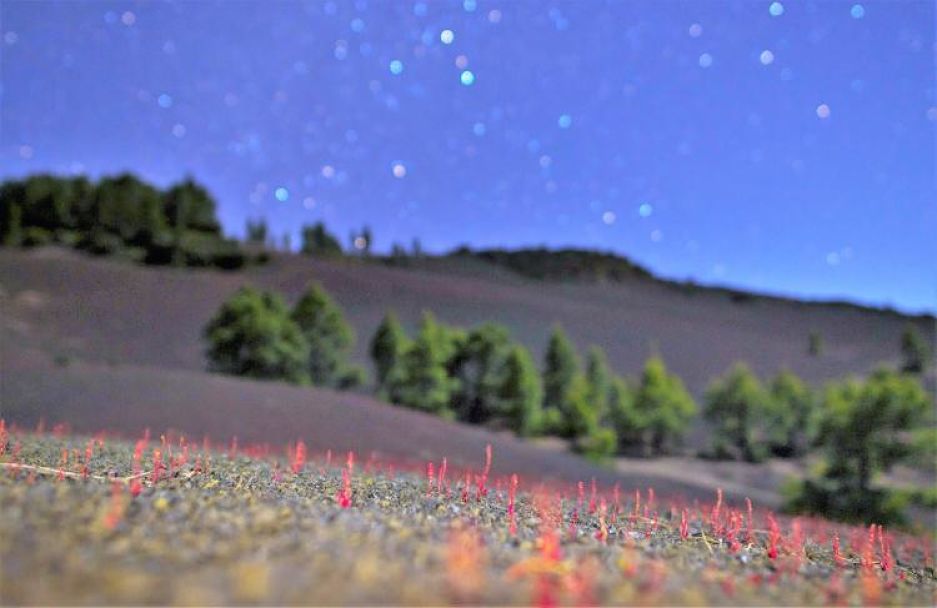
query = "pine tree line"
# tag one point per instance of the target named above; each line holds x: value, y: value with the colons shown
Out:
x: 858, y: 428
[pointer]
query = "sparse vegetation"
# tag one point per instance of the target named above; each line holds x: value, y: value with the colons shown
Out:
x: 560, y: 264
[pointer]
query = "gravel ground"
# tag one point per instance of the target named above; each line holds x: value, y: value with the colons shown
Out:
x: 189, y: 527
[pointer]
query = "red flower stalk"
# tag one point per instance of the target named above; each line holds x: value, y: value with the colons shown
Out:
x: 233, y: 449
x: 868, y: 554
x: 751, y: 520
x: 581, y: 495
x: 344, y: 494
x: 714, y: 520
x: 885, y: 547
x: 774, y: 534
x: 482, y: 481
x: 3, y: 436
x: 797, y: 541
x: 60, y: 476
x: 430, y: 478
x: 602, y: 533
x: 299, y: 458
x: 616, y: 493
x: 277, y: 475
x: 650, y: 498
x: 735, y: 531
x: 465, y: 486
x: 512, y: 491
x: 350, y: 462
x: 441, y: 478
x: 684, y: 526
x: 592, y: 497
x: 837, y: 556
x: 649, y: 531
x: 135, y: 485
x: 89, y: 450
x: 637, y: 505
x: 157, y: 465
x: 328, y: 459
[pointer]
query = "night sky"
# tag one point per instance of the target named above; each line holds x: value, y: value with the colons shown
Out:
x: 784, y: 147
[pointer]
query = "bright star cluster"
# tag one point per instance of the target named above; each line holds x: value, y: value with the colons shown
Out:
x: 706, y: 142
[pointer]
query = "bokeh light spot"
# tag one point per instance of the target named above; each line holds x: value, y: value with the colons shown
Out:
x: 282, y: 194
x: 776, y: 9
x: 399, y: 170
x: 705, y: 60
x: 645, y: 210
x: 467, y: 78
x: 564, y: 121
x: 857, y: 11
x: 823, y: 111
x: 396, y: 67
x: 766, y: 57
x: 447, y: 36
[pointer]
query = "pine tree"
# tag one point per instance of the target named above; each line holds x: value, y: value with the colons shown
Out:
x: 864, y: 430
x: 788, y: 417
x: 252, y: 335
x: 388, y: 347
x: 736, y: 405
x: 13, y: 226
x: 663, y: 407
x: 329, y: 336
x: 599, y: 377
x: 521, y: 394
x: 478, y: 364
x: 914, y: 351
x: 580, y: 418
x: 426, y: 385
x: 623, y: 415
x: 561, y: 365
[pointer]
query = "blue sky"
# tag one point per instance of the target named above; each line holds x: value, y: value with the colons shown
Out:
x: 785, y: 147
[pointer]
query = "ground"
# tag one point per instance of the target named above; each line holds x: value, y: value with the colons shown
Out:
x: 100, y: 521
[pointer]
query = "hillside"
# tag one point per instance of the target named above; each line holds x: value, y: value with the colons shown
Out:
x: 101, y: 343
x: 101, y: 310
